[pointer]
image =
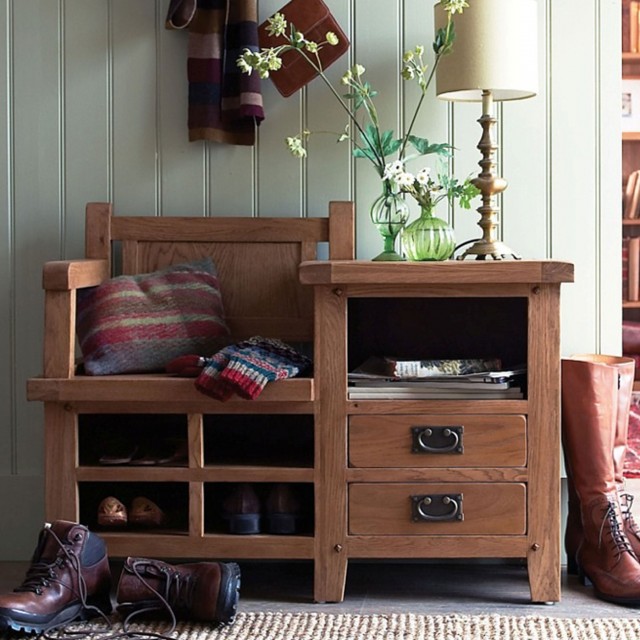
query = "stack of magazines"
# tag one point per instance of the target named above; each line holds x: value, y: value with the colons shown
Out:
x: 469, y: 379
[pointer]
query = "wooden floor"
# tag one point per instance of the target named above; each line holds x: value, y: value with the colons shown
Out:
x: 421, y: 588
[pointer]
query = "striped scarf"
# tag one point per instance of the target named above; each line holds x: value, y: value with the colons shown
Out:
x: 225, y: 105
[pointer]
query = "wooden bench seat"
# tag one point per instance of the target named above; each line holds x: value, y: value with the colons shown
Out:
x: 257, y: 261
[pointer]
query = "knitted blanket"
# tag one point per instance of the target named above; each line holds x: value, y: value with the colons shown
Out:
x: 225, y: 105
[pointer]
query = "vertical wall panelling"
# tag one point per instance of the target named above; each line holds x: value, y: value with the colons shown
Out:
x: 85, y: 106
x: 38, y: 220
x: 8, y: 458
x: 524, y: 217
x: 181, y: 163
x: 377, y: 33
x: 232, y: 170
x: 465, y: 136
x: 432, y: 121
x: 329, y: 165
x: 575, y: 223
x: 606, y: 60
x: 279, y: 181
x: 134, y: 106
x: 93, y: 105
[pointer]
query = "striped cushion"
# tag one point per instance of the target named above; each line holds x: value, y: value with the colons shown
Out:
x: 133, y: 324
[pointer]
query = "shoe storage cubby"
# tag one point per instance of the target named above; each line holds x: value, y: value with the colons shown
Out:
x: 172, y: 498
x: 279, y: 440
x: 298, y: 504
x: 132, y: 440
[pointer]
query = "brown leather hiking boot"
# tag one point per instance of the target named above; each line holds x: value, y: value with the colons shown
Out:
x: 68, y: 579
x: 199, y: 591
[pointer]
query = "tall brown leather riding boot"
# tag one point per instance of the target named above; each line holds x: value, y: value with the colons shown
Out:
x: 573, y: 531
x: 198, y: 591
x: 68, y: 579
x: 589, y: 411
x: 626, y: 369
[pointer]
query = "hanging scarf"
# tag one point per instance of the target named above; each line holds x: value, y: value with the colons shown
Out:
x: 225, y: 105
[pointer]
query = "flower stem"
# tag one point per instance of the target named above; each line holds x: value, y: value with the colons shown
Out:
x: 318, y: 69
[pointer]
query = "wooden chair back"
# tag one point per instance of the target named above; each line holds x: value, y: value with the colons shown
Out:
x: 257, y: 259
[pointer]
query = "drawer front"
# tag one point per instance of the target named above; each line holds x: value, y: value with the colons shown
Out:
x: 430, y: 508
x: 432, y: 440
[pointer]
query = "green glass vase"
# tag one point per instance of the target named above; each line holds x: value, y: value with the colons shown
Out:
x: 428, y: 238
x: 389, y: 213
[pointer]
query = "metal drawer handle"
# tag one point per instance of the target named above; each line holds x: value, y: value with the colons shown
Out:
x: 437, y: 439
x: 439, y: 507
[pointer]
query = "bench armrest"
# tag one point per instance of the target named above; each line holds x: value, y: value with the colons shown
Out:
x: 60, y: 280
x: 65, y: 275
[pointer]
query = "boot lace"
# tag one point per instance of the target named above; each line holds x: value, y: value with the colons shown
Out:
x: 626, y: 503
x: 40, y: 576
x: 617, y: 539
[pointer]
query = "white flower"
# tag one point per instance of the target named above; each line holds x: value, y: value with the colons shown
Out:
x: 405, y: 179
x: 347, y: 77
x: 392, y: 169
x: 358, y: 70
x: 455, y: 6
x: 311, y: 46
x: 423, y: 176
x: 277, y: 25
x: 332, y: 38
x: 295, y: 147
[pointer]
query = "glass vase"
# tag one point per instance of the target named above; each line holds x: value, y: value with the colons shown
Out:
x: 428, y: 238
x: 389, y: 213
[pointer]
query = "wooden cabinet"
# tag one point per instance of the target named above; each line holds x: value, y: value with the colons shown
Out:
x: 489, y: 486
x: 375, y: 478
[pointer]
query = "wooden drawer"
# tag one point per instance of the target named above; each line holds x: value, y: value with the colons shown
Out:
x: 432, y: 440
x: 401, y: 509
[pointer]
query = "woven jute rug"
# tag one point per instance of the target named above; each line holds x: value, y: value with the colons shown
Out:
x: 324, y: 626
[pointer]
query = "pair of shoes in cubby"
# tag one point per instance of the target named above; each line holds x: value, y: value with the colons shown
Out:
x: 172, y: 451
x: 245, y: 514
x: 112, y: 513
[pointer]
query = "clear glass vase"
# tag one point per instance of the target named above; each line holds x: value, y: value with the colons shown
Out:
x: 428, y: 238
x: 389, y: 213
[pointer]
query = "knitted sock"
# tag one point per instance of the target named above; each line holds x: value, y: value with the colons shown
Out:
x: 259, y: 361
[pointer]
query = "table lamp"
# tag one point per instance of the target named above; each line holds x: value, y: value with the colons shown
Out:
x: 494, y: 58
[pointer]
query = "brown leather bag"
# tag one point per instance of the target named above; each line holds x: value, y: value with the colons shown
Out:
x: 313, y: 19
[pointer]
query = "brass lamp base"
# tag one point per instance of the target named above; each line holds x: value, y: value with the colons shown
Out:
x: 489, y: 184
x: 482, y: 249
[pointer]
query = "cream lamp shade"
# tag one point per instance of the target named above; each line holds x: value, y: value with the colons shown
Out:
x: 494, y: 56
x: 495, y: 49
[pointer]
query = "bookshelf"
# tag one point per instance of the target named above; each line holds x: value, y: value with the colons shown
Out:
x: 630, y: 159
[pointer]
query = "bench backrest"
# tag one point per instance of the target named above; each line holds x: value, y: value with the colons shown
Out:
x: 257, y: 259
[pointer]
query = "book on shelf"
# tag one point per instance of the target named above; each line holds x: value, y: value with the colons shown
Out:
x: 630, y: 26
x: 626, y: 33
x: 430, y: 393
x: 634, y: 270
x: 625, y: 268
x: 475, y: 385
x: 631, y: 197
x: 389, y: 367
x: 382, y: 378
